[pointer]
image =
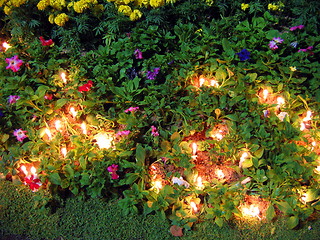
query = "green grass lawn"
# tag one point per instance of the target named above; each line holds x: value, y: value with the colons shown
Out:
x: 96, y: 219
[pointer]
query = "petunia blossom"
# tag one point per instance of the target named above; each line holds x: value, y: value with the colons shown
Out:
x: 20, y: 134
x: 125, y: 133
x: 33, y: 182
x: 131, y: 109
x: 296, y: 27
x: 113, y: 170
x: 152, y: 74
x: 13, y: 99
x: 273, y: 45
x: 138, y: 54
x: 277, y: 39
x: 46, y: 42
x: 14, y: 63
x: 244, y: 55
x: 305, y: 49
x: 86, y: 87
x: 154, y: 131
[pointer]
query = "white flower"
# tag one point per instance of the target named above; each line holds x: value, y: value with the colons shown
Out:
x: 282, y: 116
x: 180, y: 182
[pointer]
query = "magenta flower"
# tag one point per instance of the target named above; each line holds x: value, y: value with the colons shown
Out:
x: 296, y: 27
x: 125, y: 133
x: 305, y: 49
x: 278, y: 40
x: 13, y: 99
x: 14, y: 63
x: 113, y: 170
x: 20, y: 134
x: 138, y: 54
x: 154, y: 131
x: 131, y: 109
x: 273, y: 45
x: 152, y: 74
x: 33, y: 182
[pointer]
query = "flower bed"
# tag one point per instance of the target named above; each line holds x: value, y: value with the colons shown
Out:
x: 200, y: 117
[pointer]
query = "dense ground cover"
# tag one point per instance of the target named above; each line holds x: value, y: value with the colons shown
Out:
x: 186, y: 110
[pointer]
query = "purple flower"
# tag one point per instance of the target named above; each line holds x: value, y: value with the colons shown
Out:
x: 305, y: 49
x: 14, y: 63
x: 131, y: 109
x: 13, y: 99
x: 296, y: 27
x: 273, y: 45
x: 152, y: 74
x: 113, y: 170
x: 20, y: 134
x: 278, y: 40
x: 138, y: 54
x: 244, y: 55
x: 154, y: 131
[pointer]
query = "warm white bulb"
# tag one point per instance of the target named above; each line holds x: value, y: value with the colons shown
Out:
x: 63, y: 77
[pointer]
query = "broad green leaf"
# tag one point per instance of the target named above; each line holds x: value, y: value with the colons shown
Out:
x: 247, y: 163
x: 270, y: 214
x: 259, y: 153
x: 292, y: 222
x: 219, y: 221
x: 175, y: 137
x: 85, y: 179
x: 55, y: 178
x: 285, y: 208
x: 221, y: 74
x: 69, y: 171
x: 140, y: 155
x: 60, y: 103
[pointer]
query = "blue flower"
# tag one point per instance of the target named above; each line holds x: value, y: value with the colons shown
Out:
x: 244, y: 55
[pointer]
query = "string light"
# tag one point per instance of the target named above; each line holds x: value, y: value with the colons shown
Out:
x: 84, y: 128
x: 63, y: 77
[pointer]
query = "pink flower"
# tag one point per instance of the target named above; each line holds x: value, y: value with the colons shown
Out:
x: 296, y: 27
x: 34, y: 183
x: 278, y: 40
x: 113, y: 170
x: 20, y: 134
x: 305, y: 49
x: 86, y: 87
x: 273, y: 45
x: 125, y: 132
x: 14, y: 63
x: 13, y: 99
x: 46, y: 42
x: 131, y: 109
x: 138, y: 54
x: 154, y: 131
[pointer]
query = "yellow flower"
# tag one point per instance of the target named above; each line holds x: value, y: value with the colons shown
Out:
x: 7, y: 10
x: 126, y: 10
x: 61, y: 19
x: 51, y: 18
x: 293, y: 69
x: 273, y: 7
x: 135, y: 15
x: 141, y: 2
x: 244, y: 6
x: 156, y: 3
x: 43, y: 4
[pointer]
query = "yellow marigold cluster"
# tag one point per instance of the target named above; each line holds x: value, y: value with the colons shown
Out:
x: 276, y: 7
x: 126, y: 6
x: 43, y: 4
x: 81, y: 5
x: 60, y: 19
x: 8, y: 5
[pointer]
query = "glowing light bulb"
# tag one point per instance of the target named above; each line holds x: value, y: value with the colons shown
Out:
x: 214, y: 83
x: 64, y: 151
x: 302, y: 126
x: 84, y: 128
x: 33, y: 170
x: 63, y: 77
x: 194, y: 207
x: 280, y: 101
x: 48, y: 132
x: 244, y: 156
x: 199, y: 183
x: 251, y: 211
x: 194, y: 148
x: 220, y: 174
x: 6, y: 46
x: 265, y: 94
x: 158, y: 184
x: 104, y: 140
x: 201, y: 81
x: 73, y: 112
x: 58, y: 125
x: 24, y: 170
